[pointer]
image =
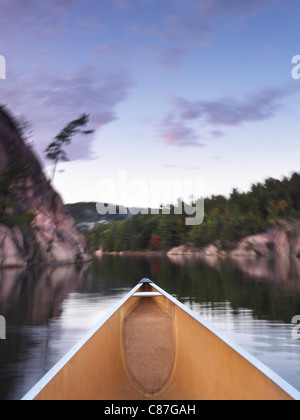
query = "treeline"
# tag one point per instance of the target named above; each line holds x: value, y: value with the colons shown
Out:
x: 226, y: 221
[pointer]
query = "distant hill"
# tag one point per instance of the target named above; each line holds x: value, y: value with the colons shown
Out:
x: 86, y: 216
x: 87, y: 213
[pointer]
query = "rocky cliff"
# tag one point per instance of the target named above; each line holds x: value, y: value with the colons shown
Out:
x: 282, y: 239
x: 51, y: 238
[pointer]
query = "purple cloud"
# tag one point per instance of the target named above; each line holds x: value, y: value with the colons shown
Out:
x: 224, y: 112
x: 50, y: 103
x: 235, y: 8
x: 176, y: 133
x: 27, y: 7
x: 35, y: 20
x: 189, y: 25
x: 217, y: 133
x: 111, y: 50
x: 170, y: 59
x: 132, y: 3
x: 196, y: 28
x: 232, y: 111
x: 177, y: 29
x: 196, y: 21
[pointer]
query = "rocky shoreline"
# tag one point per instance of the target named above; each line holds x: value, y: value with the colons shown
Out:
x: 281, y: 240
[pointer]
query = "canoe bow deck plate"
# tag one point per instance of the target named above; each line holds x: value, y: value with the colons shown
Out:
x: 149, y: 346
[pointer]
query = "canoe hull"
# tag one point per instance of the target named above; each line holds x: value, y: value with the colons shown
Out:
x: 194, y: 361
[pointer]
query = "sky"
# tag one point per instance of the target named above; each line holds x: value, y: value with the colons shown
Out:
x: 175, y: 89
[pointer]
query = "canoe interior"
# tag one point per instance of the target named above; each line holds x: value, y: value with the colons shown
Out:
x: 150, y: 348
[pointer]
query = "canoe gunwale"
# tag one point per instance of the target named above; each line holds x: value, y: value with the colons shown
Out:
x: 275, y: 378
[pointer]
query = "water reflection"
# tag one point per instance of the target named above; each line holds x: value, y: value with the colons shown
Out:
x: 269, y: 287
x: 32, y: 298
x: 29, y: 301
x: 48, y: 311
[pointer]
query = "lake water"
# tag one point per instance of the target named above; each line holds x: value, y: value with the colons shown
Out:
x: 47, y: 312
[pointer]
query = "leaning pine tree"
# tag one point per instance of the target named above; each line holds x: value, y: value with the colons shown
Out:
x: 55, y: 151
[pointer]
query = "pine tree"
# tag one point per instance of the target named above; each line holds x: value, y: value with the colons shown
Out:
x: 55, y: 151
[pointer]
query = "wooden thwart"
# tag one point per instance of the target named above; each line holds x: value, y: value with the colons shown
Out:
x: 146, y: 294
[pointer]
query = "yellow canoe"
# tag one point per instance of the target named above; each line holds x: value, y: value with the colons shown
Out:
x: 152, y: 347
